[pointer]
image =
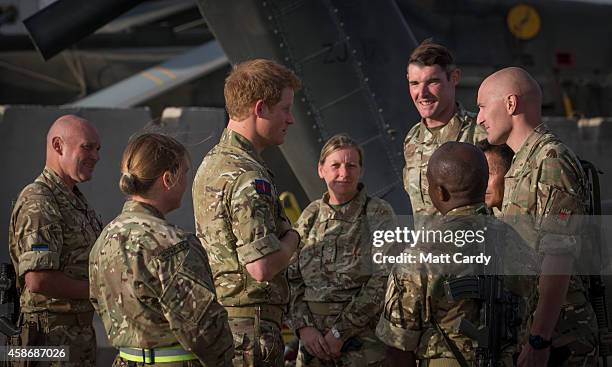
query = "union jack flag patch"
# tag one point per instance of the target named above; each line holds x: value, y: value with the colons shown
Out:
x: 564, y: 215
x: 263, y: 187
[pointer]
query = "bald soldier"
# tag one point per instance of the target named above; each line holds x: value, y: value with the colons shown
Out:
x: 545, y: 196
x: 52, y: 230
x: 432, y: 79
x: 418, y: 315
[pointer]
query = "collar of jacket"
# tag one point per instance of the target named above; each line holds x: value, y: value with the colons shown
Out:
x: 58, y: 186
x: 349, y: 212
x: 471, y: 209
x: 520, y: 158
x: 133, y: 206
x: 450, y: 131
x: 232, y: 139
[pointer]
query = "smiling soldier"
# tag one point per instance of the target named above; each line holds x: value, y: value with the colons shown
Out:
x: 432, y: 79
x: 239, y: 218
x: 51, y: 232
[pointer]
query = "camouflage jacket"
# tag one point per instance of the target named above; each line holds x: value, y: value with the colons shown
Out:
x: 545, y: 199
x: 416, y: 292
x: 545, y: 189
x: 152, y: 287
x: 51, y: 228
x: 335, y: 262
x: 239, y: 220
x: 419, y: 145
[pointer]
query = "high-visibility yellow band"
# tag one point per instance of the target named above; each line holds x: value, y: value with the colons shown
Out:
x: 173, y: 353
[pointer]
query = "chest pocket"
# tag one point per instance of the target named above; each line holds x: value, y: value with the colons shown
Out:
x: 339, y: 246
x: 521, y: 193
x: 354, y: 250
x: 521, y: 203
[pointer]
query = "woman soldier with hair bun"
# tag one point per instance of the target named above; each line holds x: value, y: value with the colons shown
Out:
x: 150, y: 281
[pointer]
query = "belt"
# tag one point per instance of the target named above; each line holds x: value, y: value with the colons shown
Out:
x: 174, y: 353
x: 82, y: 318
x: 326, y: 308
x: 441, y: 362
x: 271, y: 313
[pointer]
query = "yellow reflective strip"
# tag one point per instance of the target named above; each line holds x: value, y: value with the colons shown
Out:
x: 182, y: 357
x: 133, y: 358
x: 147, y: 359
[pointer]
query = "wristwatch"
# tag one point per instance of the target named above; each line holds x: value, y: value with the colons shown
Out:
x: 537, y: 342
x: 335, y: 333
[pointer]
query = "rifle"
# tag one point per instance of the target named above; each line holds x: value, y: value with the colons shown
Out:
x: 499, y: 314
x: 597, y: 290
x: 9, y: 302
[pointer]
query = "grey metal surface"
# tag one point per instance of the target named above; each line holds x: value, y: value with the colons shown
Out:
x: 351, y: 58
x: 158, y: 79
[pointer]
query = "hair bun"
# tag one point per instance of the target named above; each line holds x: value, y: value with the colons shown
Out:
x: 127, y: 183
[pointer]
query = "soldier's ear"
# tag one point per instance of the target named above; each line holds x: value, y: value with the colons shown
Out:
x: 260, y: 108
x: 168, y: 180
x: 455, y: 76
x: 511, y: 103
x: 58, y: 145
x: 320, y: 170
x: 438, y: 193
x: 444, y: 194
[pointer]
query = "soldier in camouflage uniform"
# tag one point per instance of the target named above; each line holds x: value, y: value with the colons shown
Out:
x: 432, y: 79
x: 499, y: 160
x: 239, y: 218
x: 52, y: 229
x: 151, y: 282
x: 545, y: 196
x: 417, y: 310
x: 336, y: 289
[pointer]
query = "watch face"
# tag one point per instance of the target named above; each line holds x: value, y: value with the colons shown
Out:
x: 335, y: 333
x: 537, y: 342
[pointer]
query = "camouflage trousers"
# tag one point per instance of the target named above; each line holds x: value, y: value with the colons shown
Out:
x: 506, y: 361
x: 53, y: 329
x: 256, y: 345
x: 564, y: 357
x: 120, y: 362
x: 368, y: 351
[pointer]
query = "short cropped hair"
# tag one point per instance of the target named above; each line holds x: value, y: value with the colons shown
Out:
x: 253, y: 80
x: 429, y: 53
x: 503, y: 152
x: 337, y: 142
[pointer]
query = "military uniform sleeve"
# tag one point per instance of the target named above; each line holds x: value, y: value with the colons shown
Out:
x: 409, y: 149
x: 38, y: 232
x: 299, y: 313
x: 189, y: 303
x: 400, y: 324
x: 365, y: 307
x: 253, y: 217
x: 561, y: 207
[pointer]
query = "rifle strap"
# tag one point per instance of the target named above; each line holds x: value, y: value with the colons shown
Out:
x: 447, y: 340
